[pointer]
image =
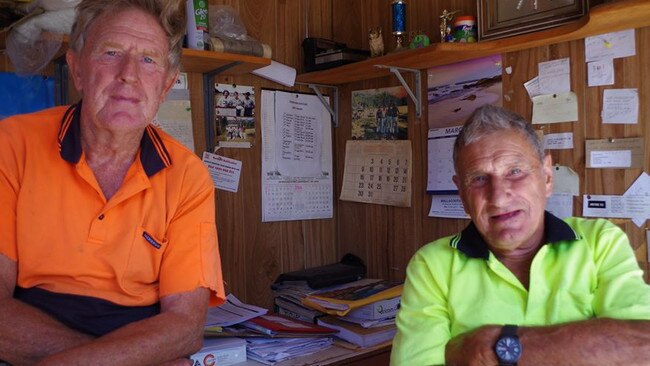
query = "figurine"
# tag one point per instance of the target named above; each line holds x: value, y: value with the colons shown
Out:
x: 446, y: 22
x: 419, y: 40
x: 376, y: 42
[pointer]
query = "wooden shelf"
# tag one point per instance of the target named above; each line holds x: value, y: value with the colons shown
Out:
x: 208, y: 61
x: 611, y: 17
x: 196, y: 60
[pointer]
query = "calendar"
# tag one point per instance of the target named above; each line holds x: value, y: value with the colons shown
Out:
x: 296, y: 157
x: 378, y: 172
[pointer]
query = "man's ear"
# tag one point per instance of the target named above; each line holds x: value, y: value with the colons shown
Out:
x: 547, y: 169
x: 73, y: 60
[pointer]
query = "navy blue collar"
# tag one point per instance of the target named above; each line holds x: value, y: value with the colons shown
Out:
x: 471, y: 243
x: 153, y: 154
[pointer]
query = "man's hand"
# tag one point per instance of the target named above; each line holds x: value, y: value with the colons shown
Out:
x: 473, y: 348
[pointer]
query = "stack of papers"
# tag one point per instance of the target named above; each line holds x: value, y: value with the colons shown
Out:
x: 232, y: 312
x: 271, y: 350
x: 353, y: 295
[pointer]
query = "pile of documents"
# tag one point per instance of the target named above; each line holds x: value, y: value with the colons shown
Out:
x: 272, y: 350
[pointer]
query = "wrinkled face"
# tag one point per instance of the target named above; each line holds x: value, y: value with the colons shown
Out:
x: 504, y: 187
x: 122, y: 71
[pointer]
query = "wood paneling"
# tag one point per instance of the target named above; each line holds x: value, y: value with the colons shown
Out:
x: 385, y: 237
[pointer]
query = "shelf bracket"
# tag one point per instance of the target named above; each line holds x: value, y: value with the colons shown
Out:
x: 333, y: 106
x: 208, y: 100
x: 417, y: 97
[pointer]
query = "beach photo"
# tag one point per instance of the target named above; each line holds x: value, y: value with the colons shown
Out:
x: 454, y: 91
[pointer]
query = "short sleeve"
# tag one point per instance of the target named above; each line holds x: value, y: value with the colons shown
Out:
x: 423, y: 325
x: 192, y: 259
x: 621, y: 292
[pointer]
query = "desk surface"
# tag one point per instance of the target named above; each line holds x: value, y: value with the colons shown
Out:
x: 336, y: 355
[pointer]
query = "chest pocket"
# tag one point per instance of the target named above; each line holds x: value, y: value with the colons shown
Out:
x: 142, y: 270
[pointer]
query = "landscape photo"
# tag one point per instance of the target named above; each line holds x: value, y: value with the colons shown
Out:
x: 454, y: 91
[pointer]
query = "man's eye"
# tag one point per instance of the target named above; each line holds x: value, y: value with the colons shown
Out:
x: 515, y: 171
x: 478, y: 180
x: 111, y: 53
x: 148, y: 60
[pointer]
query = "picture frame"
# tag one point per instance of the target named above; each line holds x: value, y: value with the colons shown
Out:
x: 505, y: 18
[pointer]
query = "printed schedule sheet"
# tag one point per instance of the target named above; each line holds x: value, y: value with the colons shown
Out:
x: 297, y: 179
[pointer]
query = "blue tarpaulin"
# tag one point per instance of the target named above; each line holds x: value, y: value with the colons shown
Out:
x: 24, y: 94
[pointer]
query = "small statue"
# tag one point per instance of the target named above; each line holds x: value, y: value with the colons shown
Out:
x: 376, y: 42
x: 446, y: 22
x: 418, y: 40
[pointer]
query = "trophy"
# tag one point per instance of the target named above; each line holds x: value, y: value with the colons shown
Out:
x: 399, y: 22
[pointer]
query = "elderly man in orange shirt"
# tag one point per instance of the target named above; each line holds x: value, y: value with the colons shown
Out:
x: 108, y: 243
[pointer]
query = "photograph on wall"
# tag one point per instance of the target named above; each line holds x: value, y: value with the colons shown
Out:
x: 454, y: 91
x: 235, y: 115
x: 380, y: 114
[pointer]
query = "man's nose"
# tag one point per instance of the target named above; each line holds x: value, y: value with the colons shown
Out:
x: 128, y: 69
x: 499, y: 190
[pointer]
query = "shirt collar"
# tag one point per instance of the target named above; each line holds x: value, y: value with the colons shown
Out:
x: 153, y: 154
x: 471, y: 243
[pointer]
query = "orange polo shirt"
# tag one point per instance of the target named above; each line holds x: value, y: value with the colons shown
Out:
x: 155, y: 237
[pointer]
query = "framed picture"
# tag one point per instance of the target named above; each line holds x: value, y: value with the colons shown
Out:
x: 505, y: 18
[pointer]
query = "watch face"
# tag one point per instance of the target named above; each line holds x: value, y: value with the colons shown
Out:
x: 508, y: 349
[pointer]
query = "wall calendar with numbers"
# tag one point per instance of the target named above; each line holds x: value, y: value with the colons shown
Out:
x: 297, y: 181
x: 378, y: 172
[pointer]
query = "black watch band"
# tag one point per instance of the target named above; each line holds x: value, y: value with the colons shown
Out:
x: 509, y: 330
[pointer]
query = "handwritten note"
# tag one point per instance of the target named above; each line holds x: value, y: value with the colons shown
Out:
x: 554, y: 76
x: 600, y: 73
x: 620, y: 106
x: 610, y: 45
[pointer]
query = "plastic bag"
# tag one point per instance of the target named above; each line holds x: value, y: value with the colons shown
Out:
x: 32, y: 44
x: 226, y: 23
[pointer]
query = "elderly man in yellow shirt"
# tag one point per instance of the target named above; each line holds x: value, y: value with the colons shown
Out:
x: 519, y: 285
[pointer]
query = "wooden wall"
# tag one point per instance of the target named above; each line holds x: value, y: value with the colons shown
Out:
x: 385, y: 237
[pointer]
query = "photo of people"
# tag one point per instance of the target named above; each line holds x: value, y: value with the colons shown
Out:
x: 380, y: 114
x: 235, y: 115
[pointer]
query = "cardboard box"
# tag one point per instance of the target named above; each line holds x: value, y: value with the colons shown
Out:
x: 220, y: 352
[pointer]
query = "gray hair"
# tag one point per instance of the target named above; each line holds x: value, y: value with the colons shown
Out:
x: 170, y: 15
x: 490, y: 119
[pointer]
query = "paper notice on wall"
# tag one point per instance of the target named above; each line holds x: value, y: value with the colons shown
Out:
x: 615, y: 153
x: 610, y: 45
x: 640, y: 187
x: 553, y: 108
x: 600, y: 73
x: 554, y: 76
x: 558, y: 141
x: 622, y: 207
x: 565, y: 181
x: 620, y: 106
x: 447, y: 206
x: 225, y: 172
x: 560, y: 205
x: 532, y: 87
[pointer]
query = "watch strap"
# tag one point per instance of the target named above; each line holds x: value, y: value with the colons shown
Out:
x: 509, y: 330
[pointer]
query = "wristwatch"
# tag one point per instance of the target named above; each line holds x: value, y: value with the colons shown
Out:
x: 508, y: 348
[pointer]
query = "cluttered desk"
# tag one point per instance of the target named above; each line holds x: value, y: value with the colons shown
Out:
x: 344, y: 320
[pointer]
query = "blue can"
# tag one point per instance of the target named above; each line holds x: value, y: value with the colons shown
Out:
x: 399, y: 16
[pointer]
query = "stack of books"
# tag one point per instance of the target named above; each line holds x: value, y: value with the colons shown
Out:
x: 362, y: 311
x: 291, y: 288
